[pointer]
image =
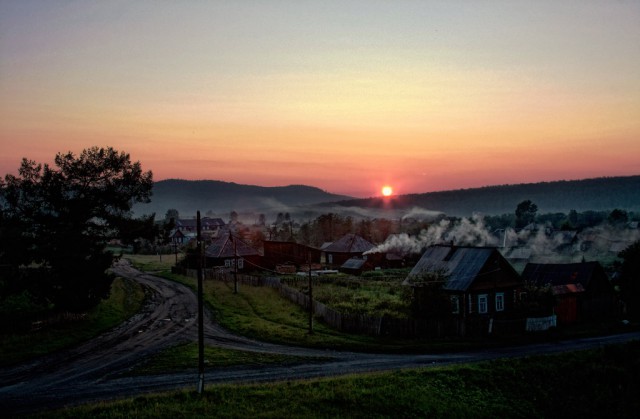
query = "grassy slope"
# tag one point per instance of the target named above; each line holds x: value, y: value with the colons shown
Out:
x: 598, y: 383
x: 125, y: 300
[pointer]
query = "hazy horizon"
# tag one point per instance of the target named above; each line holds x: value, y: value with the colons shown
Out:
x: 344, y: 96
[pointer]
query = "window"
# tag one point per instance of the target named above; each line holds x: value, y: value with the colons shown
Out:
x: 231, y: 263
x: 500, y: 301
x: 455, y: 304
x: 470, y: 304
x: 330, y: 258
x: 482, y: 303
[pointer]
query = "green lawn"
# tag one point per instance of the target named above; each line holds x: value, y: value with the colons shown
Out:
x: 590, y: 384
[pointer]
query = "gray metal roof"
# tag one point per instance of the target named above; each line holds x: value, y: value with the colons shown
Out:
x: 462, y: 264
x: 354, y: 263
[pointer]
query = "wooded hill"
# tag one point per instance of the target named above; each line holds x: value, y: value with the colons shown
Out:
x: 188, y: 196
x: 561, y: 196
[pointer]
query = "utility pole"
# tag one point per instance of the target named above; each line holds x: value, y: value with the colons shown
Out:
x: 200, y: 307
x: 235, y: 264
x: 310, y: 296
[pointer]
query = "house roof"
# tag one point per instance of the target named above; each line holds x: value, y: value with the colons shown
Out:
x: 325, y: 245
x: 227, y: 246
x: 561, y: 273
x: 350, y: 243
x: 462, y: 264
x: 567, y: 289
x: 520, y: 253
x: 206, y: 223
x: 354, y: 263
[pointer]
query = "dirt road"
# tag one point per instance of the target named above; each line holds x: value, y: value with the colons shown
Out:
x: 94, y: 370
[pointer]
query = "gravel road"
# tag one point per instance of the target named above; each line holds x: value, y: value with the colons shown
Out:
x: 94, y: 370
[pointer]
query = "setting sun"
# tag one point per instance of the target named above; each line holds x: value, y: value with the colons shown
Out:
x: 387, y: 190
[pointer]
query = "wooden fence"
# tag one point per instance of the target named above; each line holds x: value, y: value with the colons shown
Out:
x: 371, y: 325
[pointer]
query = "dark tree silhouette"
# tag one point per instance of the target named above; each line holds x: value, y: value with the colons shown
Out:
x: 57, y: 221
x: 630, y: 279
x: 618, y: 217
x: 172, y: 213
x: 525, y: 213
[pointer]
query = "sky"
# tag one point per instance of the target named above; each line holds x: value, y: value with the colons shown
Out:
x: 347, y: 96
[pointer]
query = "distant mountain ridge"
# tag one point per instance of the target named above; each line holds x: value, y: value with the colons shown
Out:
x: 596, y: 194
x: 189, y: 196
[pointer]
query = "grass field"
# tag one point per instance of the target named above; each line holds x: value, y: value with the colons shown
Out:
x: 590, y: 384
x: 372, y: 296
x: 124, y: 301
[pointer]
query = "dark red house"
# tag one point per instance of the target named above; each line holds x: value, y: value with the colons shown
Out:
x: 285, y: 252
x: 583, y: 290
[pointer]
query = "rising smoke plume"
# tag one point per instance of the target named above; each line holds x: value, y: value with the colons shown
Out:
x: 542, y: 244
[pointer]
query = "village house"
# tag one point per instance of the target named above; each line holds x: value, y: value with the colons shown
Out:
x: 478, y: 280
x: 227, y: 249
x: 583, y: 291
x: 347, y: 247
x: 208, y: 225
x: 289, y: 253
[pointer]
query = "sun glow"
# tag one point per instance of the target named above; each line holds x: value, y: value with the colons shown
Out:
x: 387, y: 190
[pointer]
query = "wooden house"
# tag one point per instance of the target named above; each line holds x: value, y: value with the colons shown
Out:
x: 347, y: 247
x: 478, y: 280
x: 286, y: 252
x: 227, y: 249
x: 583, y: 290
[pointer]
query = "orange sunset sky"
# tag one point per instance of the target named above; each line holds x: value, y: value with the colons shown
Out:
x: 343, y: 95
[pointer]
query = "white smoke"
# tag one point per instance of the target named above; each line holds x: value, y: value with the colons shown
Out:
x: 422, y: 214
x: 465, y: 232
